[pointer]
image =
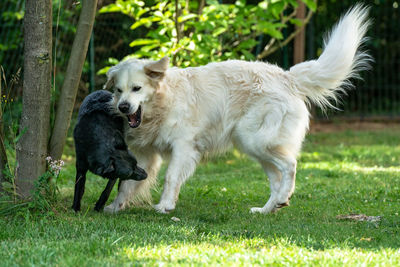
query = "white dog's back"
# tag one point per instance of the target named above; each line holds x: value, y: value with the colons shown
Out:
x: 235, y: 96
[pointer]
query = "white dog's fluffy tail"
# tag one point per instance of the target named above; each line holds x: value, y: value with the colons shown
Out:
x: 321, y: 80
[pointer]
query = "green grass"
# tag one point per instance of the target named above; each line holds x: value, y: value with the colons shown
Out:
x: 338, y: 173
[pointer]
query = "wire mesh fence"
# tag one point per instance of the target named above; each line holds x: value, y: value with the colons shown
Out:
x: 378, y: 94
x: 11, y: 36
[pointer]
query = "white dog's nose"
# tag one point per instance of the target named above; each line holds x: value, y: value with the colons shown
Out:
x: 124, y: 107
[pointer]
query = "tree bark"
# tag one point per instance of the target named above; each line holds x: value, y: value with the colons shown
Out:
x: 35, y: 119
x: 200, y: 7
x: 271, y: 48
x: 299, y: 40
x: 179, y: 30
x: 72, y: 78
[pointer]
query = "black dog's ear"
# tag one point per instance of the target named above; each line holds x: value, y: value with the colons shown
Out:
x: 110, y: 168
x: 105, y: 169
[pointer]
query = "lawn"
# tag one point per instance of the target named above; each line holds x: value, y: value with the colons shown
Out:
x: 339, y: 173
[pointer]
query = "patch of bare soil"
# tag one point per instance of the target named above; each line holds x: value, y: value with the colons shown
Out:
x: 327, y: 127
x: 359, y: 217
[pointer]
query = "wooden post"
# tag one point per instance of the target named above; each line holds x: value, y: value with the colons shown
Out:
x: 299, y: 40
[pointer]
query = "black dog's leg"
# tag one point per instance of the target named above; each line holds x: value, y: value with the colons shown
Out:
x: 104, y: 195
x: 79, y: 189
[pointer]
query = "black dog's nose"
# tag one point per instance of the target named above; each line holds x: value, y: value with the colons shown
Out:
x: 124, y: 107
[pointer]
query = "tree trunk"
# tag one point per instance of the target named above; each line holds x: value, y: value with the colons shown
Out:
x: 72, y: 77
x: 35, y: 118
x: 299, y: 40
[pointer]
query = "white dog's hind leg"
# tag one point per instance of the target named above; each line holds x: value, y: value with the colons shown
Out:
x: 275, y: 178
x: 136, y: 191
x: 286, y: 167
x: 182, y: 165
x: 288, y: 183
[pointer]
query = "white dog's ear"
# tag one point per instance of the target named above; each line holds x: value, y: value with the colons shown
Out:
x: 156, y: 70
x: 110, y: 78
x: 109, y: 83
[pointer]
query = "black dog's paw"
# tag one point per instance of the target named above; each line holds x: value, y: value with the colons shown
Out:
x: 76, y: 208
x: 98, y: 208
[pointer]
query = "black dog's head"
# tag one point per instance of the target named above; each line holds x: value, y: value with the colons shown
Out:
x: 121, y: 164
x: 99, y: 141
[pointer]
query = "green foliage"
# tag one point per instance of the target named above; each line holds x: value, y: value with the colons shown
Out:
x: 10, y: 111
x: 197, y: 36
x: 11, y: 33
x: 10, y: 18
x: 45, y: 187
x: 338, y: 173
x: 44, y: 195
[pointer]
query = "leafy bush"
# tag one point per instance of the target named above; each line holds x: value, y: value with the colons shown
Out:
x: 193, y: 34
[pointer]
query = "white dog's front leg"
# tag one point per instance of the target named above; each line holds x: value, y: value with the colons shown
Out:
x: 122, y: 199
x: 131, y: 190
x: 181, y: 167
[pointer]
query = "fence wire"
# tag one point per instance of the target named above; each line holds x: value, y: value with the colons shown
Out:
x: 378, y: 93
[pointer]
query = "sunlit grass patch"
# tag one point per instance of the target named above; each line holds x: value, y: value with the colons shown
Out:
x: 256, y: 251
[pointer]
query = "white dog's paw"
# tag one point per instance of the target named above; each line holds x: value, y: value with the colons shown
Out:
x: 263, y: 210
x: 164, y: 207
x: 112, y: 209
x: 257, y: 210
x: 271, y: 208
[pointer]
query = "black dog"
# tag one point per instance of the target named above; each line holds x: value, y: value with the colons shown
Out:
x: 100, y: 147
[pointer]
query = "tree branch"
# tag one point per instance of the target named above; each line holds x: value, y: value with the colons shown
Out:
x: 269, y: 49
x: 178, y: 30
x: 72, y: 78
x: 284, y: 20
x: 200, y: 7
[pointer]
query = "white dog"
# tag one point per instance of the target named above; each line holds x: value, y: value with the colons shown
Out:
x: 183, y: 114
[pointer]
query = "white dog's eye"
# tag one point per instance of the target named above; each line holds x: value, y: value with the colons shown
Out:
x: 136, y: 88
x: 119, y: 90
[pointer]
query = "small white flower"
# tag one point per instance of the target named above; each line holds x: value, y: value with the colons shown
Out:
x: 55, y: 166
